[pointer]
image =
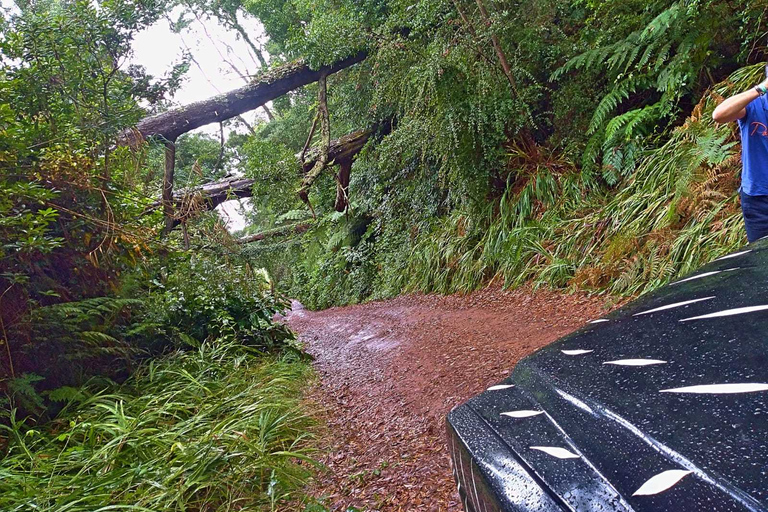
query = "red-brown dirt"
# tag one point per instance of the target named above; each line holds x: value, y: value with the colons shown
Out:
x: 390, y: 371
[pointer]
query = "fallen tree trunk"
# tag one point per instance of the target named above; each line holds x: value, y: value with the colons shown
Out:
x: 266, y: 87
x: 211, y: 195
x: 187, y: 202
x: 218, y: 192
x: 292, y: 229
x: 343, y: 148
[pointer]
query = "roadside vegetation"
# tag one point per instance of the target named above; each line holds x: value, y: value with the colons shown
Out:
x: 434, y: 145
x: 217, y: 427
x: 595, y: 165
x: 678, y: 211
x: 137, y: 372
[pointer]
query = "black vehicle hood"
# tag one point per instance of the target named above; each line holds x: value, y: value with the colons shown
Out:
x: 625, y: 422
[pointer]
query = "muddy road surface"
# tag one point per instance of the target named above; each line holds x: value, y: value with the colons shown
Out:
x: 390, y: 371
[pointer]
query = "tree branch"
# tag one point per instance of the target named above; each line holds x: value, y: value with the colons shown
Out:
x: 309, y: 140
x: 291, y: 229
x: 497, y: 46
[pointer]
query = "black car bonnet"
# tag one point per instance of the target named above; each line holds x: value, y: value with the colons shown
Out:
x: 661, y: 405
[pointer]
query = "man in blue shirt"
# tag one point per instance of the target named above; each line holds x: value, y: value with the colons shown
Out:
x: 750, y: 109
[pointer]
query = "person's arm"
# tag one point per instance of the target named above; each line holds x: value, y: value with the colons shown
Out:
x: 735, y: 107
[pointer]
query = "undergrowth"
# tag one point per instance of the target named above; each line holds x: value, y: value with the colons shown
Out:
x: 559, y: 227
x: 218, y: 428
x: 556, y: 224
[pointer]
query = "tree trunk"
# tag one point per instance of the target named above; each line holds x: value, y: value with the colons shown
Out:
x: 267, y: 87
x: 342, y: 185
x: 524, y: 132
x: 297, y: 228
x: 235, y: 23
x: 309, y: 140
x: 211, y: 195
x: 170, y: 166
x: 497, y: 47
x: 343, y: 148
x: 266, y: 110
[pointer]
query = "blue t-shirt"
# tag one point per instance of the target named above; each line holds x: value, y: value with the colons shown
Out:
x: 754, y: 148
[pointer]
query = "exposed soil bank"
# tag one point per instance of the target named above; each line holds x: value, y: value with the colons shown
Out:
x: 390, y: 371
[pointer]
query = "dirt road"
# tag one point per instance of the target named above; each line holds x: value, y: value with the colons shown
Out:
x: 391, y: 370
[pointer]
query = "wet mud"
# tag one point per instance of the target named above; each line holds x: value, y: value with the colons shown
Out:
x: 391, y: 370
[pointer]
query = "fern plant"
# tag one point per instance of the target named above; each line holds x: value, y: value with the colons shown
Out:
x: 649, y: 71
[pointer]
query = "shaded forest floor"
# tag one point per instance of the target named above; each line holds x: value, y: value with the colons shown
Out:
x: 390, y: 371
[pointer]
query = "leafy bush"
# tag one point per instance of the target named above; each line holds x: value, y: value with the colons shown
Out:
x: 216, y: 428
x: 70, y: 207
x: 192, y: 298
x: 69, y: 342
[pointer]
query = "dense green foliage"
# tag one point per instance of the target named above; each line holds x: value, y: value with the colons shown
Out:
x: 581, y: 168
x: 568, y: 144
x: 71, y: 221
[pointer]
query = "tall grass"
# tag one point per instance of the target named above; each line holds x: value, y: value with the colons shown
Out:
x: 560, y: 227
x: 215, y: 429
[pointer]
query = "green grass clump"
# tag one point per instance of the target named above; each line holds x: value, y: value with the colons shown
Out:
x: 219, y: 428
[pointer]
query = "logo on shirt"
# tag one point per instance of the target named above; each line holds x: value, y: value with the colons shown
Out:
x: 757, y: 126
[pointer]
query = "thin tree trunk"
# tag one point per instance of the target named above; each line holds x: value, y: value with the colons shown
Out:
x: 298, y: 228
x: 309, y: 140
x: 256, y: 51
x: 266, y: 110
x: 497, y: 46
x: 525, y: 132
x: 221, y: 148
x: 247, y: 124
x: 464, y: 18
x: 170, y: 166
x: 472, y: 32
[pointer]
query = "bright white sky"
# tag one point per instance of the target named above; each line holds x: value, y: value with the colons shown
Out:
x: 158, y: 48
x: 211, y: 45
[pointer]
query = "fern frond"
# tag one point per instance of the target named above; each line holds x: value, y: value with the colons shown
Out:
x: 294, y: 215
x: 336, y: 240
x: 662, y: 22
x: 612, y: 100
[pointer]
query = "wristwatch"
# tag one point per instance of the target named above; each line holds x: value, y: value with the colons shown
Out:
x: 761, y: 89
